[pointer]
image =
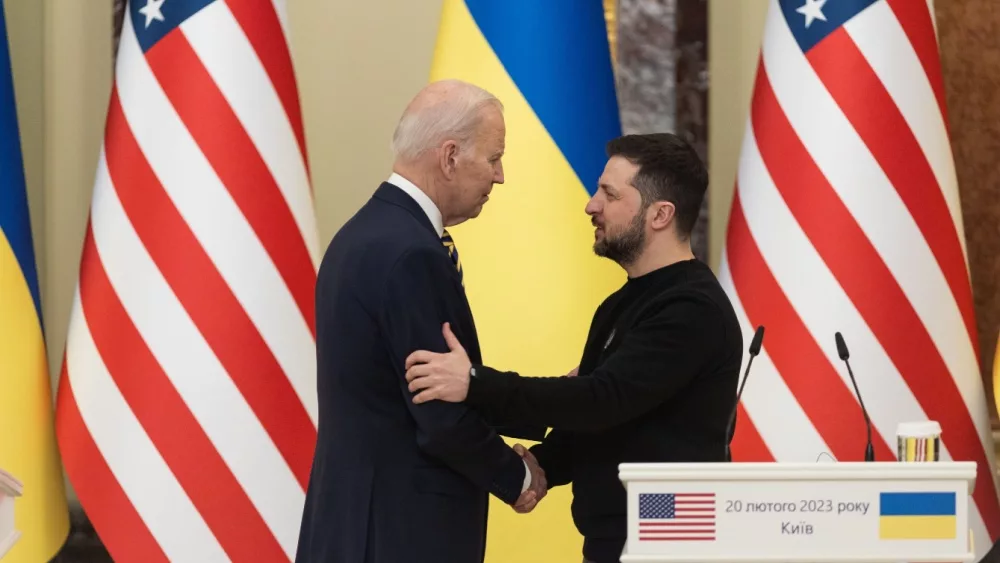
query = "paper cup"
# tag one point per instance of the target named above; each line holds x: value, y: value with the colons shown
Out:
x: 918, y: 441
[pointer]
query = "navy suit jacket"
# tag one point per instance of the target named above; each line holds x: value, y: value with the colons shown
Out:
x: 392, y: 481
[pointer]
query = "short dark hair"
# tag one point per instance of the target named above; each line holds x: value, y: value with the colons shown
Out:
x: 669, y: 170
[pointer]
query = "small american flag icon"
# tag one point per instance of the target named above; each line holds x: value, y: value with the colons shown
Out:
x: 677, y: 517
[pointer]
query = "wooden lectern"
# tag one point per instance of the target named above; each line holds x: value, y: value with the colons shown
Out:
x: 10, y: 489
x: 798, y: 512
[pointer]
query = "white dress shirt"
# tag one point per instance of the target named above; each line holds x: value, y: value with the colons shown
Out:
x: 434, y: 214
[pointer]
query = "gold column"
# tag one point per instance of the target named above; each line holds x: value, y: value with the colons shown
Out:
x: 611, y: 17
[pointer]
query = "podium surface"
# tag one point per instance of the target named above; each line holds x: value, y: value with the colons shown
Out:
x: 798, y: 512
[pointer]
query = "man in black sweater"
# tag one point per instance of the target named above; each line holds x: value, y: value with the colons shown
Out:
x: 658, y: 376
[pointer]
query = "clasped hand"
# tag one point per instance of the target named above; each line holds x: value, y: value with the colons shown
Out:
x: 446, y: 377
x: 538, y: 488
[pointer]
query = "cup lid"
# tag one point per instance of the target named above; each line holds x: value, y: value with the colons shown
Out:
x: 918, y: 429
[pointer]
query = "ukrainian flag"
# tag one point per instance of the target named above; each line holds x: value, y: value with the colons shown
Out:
x: 917, y: 516
x: 27, y: 442
x: 996, y: 375
x: 530, y: 272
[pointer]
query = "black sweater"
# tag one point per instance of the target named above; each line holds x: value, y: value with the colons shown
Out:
x: 656, y: 383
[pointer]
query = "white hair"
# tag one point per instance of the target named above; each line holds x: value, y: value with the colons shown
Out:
x: 445, y: 110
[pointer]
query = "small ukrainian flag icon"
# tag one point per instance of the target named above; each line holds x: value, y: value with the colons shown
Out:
x: 917, y: 516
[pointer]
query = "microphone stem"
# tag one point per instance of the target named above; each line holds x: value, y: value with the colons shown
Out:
x: 730, y: 429
x: 869, y: 450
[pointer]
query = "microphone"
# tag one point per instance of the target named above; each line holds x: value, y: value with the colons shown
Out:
x: 758, y: 339
x: 843, y: 353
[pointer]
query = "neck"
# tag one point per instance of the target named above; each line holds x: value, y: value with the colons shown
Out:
x: 422, y: 180
x: 659, y: 254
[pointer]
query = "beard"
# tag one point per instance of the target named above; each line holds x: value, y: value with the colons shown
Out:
x: 623, y: 246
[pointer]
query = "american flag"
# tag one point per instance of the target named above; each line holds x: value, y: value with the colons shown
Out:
x: 187, y: 409
x: 847, y: 218
x: 676, y: 516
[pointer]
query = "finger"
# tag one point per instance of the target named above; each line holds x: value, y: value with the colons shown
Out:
x: 425, y: 395
x: 418, y: 371
x: 520, y: 450
x: 420, y: 357
x: 421, y: 383
x: 526, y: 498
x: 573, y: 372
x: 449, y: 337
x: 525, y: 509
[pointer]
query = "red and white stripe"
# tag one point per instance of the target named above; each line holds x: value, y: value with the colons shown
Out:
x: 187, y: 408
x: 846, y: 218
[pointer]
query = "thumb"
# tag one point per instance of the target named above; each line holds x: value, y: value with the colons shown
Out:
x: 449, y: 337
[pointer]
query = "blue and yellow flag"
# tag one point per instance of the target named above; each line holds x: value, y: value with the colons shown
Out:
x: 996, y: 375
x: 27, y: 441
x: 917, y: 516
x: 530, y: 272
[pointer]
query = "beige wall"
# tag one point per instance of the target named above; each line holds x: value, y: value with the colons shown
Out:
x: 358, y: 63
x: 735, y: 28
x: 77, y: 83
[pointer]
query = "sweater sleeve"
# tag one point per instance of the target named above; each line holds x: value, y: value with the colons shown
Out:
x: 554, y: 455
x: 656, y: 358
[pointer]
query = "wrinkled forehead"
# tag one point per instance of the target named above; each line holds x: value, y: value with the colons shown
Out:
x: 492, y: 121
x: 492, y: 131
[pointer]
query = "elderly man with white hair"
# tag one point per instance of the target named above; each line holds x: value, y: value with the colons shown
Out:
x: 394, y: 481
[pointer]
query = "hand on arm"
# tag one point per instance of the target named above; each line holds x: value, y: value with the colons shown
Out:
x: 414, y: 308
x: 443, y: 376
x: 658, y: 356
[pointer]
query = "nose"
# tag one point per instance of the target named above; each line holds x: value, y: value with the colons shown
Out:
x: 593, y: 206
x: 498, y: 173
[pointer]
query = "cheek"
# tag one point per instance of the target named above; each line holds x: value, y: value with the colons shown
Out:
x: 485, y: 177
x: 612, y: 214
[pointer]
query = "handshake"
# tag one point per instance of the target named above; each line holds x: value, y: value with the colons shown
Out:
x: 538, y: 488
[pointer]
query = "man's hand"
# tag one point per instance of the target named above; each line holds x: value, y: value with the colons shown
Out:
x: 573, y: 372
x: 538, y: 488
x: 439, y: 376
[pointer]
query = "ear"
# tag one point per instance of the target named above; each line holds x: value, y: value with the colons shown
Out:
x: 663, y: 215
x: 448, y: 159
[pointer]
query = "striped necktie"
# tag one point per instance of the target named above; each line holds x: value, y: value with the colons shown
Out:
x: 448, y: 243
